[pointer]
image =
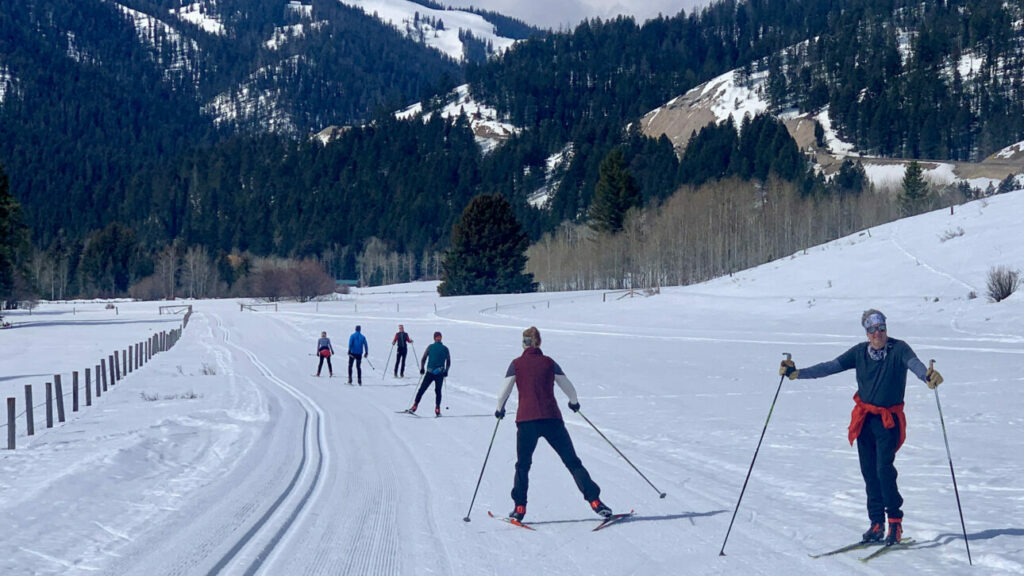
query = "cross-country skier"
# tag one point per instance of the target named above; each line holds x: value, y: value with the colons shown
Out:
x: 402, y: 340
x: 538, y: 417
x: 358, y: 348
x: 437, y: 360
x: 324, y: 350
x: 877, y: 422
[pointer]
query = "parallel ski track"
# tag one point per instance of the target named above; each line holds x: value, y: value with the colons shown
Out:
x: 315, y: 457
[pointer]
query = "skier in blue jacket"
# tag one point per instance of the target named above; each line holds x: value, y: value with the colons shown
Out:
x: 358, y: 349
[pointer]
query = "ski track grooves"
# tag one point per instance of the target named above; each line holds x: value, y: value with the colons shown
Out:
x: 313, y: 448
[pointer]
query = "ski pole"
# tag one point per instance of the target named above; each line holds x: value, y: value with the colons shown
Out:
x: 931, y: 365
x: 482, y: 468
x: 660, y: 493
x: 388, y: 361
x: 370, y: 363
x: 744, y: 489
x: 420, y: 383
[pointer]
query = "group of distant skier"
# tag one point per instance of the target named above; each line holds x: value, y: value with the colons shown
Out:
x: 878, y: 424
x: 434, y: 364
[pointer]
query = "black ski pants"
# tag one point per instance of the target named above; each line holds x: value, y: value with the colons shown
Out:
x: 359, y: 367
x: 428, y: 378
x: 321, y: 365
x: 400, y: 359
x: 553, y: 430
x: 876, y: 447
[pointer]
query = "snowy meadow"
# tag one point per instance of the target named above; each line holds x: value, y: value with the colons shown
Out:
x: 225, y: 455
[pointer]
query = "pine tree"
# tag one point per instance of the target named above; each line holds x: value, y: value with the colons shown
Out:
x: 13, y: 241
x: 616, y: 192
x: 488, y: 252
x: 915, y: 189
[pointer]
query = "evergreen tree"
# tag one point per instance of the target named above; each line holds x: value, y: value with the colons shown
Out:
x: 915, y: 189
x: 13, y: 241
x: 616, y: 192
x: 488, y: 253
x: 110, y: 258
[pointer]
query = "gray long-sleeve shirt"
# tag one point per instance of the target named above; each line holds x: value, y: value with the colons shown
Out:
x: 879, y: 382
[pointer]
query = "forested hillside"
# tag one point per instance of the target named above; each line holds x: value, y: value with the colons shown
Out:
x: 168, y: 128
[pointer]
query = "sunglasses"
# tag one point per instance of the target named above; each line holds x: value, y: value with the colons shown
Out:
x: 878, y: 328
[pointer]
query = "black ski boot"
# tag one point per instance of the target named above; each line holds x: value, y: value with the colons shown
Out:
x: 600, y: 508
x: 874, y: 534
x: 895, y: 531
x: 518, y: 513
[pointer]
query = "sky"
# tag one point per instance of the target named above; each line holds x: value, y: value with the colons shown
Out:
x: 226, y: 455
x: 569, y: 13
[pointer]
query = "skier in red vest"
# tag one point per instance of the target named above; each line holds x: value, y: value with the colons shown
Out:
x: 324, y: 350
x: 537, y: 416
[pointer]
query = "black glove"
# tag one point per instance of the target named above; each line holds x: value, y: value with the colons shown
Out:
x: 366, y: 355
x: 788, y: 369
x: 422, y: 371
x: 574, y: 406
x: 499, y: 414
x: 444, y: 373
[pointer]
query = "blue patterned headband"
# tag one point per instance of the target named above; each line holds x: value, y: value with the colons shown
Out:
x: 874, y: 320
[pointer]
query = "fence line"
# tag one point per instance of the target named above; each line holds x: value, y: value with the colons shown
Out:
x: 118, y: 364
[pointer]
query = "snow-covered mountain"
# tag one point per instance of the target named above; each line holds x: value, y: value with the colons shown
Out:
x: 732, y: 96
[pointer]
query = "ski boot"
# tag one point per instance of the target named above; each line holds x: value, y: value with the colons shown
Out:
x: 895, y: 531
x: 600, y: 508
x: 874, y: 534
x: 518, y: 513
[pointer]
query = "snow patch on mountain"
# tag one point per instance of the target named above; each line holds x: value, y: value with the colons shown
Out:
x: 733, y: 99
x: 200, y: 14
x: 155, y: 33
x: 283, y: 34
x: 251, y: 103
x: 438, y: 29
x: 832, y: 141
x: 556, y: 164
x: 7, y: 82
x: 1011, y: 151
x: 490, y: 131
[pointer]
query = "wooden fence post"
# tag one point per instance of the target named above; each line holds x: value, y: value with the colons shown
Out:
x: 11, y: 411
x: 88, y: 387
x: 108, y: 374
x: 59, y: 391
x: 124, y: 364
x: 101, y: 374
x: 30, y: 421
x: 130, y: 362
x: 74, y: 392
x: 115, y: 370
x: 49, y: 405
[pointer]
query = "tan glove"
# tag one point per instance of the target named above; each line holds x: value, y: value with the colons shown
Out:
x: 788, y: 369
x: 933, y: 378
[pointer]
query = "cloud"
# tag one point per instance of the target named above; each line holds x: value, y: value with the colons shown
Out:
x: 566, y: 14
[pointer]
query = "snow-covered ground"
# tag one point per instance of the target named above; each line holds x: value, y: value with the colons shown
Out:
x: 224, y: 454
x: 414, y: 20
